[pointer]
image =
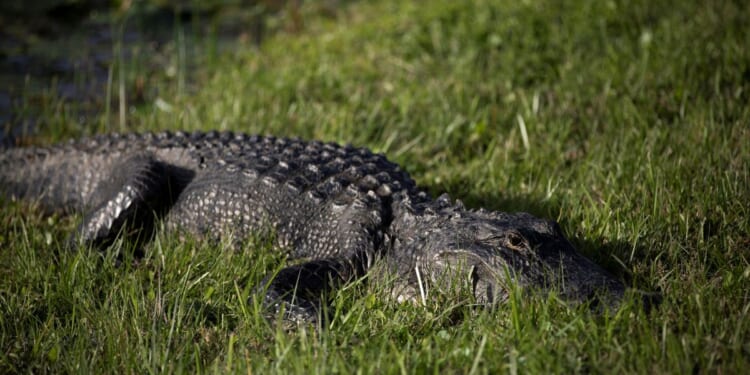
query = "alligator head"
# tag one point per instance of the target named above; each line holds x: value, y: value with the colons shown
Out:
x: 494, y: 252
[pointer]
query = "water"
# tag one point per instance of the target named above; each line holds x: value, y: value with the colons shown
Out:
x: 48, y: 61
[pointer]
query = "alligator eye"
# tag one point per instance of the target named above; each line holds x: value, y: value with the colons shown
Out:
x: 515, y: 241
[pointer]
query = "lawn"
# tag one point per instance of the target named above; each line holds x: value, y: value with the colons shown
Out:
x: 626, y: 121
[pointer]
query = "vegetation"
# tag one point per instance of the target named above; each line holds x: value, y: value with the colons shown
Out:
x: 626, y: 121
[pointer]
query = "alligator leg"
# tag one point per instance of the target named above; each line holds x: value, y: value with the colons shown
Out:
x: 137, y: 190
x: 300, y: 290
x: 295, y: 293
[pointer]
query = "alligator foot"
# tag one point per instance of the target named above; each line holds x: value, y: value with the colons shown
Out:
x: 127, y: 202
x: 297, y: 294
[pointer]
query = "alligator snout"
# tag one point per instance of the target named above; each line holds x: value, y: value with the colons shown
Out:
x: 546, y: 264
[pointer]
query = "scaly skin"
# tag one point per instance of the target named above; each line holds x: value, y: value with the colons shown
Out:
x: 340, y: 209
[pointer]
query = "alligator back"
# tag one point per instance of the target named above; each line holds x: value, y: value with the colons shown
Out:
x: 71, y: 176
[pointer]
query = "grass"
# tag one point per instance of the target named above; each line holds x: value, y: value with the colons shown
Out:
x: 625, y: 121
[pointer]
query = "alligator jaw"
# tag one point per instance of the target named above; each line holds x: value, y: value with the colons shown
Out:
x: 492, y: 279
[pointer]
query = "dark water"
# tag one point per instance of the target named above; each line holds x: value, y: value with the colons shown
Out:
x: 39, y: 69
x: 71, y: 59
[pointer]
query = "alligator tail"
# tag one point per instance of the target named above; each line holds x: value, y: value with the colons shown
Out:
x: 59, y: 178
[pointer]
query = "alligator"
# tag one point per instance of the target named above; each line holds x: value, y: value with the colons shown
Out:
x: 335, y: 211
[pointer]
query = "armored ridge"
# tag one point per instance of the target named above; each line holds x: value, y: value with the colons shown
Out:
x: 340, y: 208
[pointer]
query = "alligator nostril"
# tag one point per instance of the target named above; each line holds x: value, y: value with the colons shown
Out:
x: 651, y: 300
x: 595, y: 303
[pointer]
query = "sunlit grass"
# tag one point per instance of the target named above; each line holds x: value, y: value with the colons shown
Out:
x: 625, y: 121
